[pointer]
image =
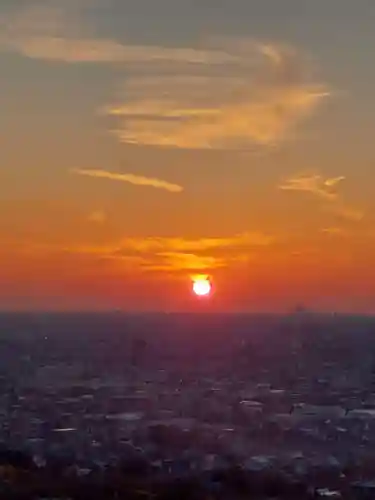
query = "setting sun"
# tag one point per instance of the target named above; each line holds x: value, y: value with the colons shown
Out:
x: 201, y: 286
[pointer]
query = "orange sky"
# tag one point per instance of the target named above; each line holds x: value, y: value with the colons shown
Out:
x: 236, y: 143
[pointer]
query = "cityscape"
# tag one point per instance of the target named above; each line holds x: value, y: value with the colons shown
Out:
x: 171, y: 397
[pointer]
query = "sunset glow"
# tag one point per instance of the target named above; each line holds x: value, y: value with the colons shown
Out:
x: 230, y: 142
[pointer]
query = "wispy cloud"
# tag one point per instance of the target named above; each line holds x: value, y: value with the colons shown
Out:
x: 91, y: 50
x: 158, y: 244
x: 346, y: 212
x: 259, y: 104
x: 323, y: 188
x: 58, y: 31
x: 175, y: 254
x: 334, y: 180
x: 314, y: 184
x: 194, y: 262
x: 220, y: 93
x: 334, y: 231
x: 137, y: 180
x: 175, y: 261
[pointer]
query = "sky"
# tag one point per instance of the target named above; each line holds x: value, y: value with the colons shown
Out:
x: 145, y: 142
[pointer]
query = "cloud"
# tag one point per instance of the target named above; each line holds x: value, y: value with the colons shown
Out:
x: 318, y: 186
x: 335, y: 231
x: 159, y: 244
x: 221, y: 93
x: 91, y: 50
x: 347, y: 212
x: 175, y: 261
x: 333, y: 181
x: 193, y: 262
x: 57, y: 31
x: 137, y: 180
x: 174, y: 254
x: 259, y: 104
x: 314, y: 184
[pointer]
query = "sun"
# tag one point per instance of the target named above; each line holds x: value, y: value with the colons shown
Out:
x: 201, y: 286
